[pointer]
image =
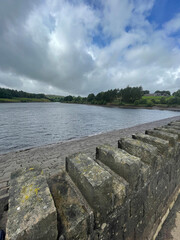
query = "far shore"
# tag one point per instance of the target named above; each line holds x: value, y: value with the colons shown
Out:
x: 170, y: 108
x: 143, y: 107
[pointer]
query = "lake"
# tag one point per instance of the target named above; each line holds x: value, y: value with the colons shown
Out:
x: 25, y: 125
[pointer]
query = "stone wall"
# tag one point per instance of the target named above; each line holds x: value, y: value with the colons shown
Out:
x: 125, y: 193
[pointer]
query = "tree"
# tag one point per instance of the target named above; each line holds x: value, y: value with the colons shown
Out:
x: 177, y: 93
x: 163, y: 93
x: 68, y: 98
x: 100, y: 98
x: 10, y: 93
x: 131, y: 94
x: 91, y: 97
x: 145, y: 92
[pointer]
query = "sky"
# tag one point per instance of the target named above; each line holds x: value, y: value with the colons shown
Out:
x: 79, y: 47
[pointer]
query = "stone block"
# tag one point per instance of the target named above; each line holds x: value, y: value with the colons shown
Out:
x: 145, y: 173
x: 3, y: 203
x: 94, y: 182
x: 162, y: 145
x: 172, y: 127
x: 75, y: 218
x: 120, y: 189
x: 177, y: 124
x: 146, y: 152
x: 4, y: 191
x: 32, y: 214
x: 169, y: 129
x: 121, y: 162
x: 172, y: 138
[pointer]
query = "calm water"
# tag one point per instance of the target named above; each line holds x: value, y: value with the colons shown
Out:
x: 24, y: 125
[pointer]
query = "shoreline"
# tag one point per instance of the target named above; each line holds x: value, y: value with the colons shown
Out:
x: 176, y: 109
x: 51, y: 157
x: 81, y: 138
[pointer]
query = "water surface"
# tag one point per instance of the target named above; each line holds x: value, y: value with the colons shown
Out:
x: 25, y: 125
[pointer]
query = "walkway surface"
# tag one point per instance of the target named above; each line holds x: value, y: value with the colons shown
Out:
x: 51, y: 158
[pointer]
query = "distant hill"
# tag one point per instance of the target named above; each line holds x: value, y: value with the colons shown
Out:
x: 10, y: 95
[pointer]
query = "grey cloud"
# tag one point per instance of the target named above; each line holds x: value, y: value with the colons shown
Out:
x: 13, y: 12
x: 22, y: 53
x: 10, y: 80
x: 49, y: 45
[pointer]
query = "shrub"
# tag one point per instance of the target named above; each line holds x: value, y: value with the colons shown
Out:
x: 143, y: 101
x: 163, y: 100
x: 149, y: 103
x: 136, y: 103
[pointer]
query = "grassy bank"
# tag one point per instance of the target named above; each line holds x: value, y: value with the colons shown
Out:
x: 18, y: 100
x: 149, y: 102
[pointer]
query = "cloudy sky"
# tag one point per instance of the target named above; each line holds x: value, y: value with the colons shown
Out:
x: 83, y: 46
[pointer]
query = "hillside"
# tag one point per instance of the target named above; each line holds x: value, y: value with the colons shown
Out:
x: 10, y: 96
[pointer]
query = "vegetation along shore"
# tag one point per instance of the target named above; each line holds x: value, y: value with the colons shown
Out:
x: 129, y: 97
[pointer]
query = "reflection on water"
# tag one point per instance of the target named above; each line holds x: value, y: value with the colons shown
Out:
x: 24, y: 125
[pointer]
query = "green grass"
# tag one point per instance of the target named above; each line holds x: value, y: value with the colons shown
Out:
x: 156, y: 97
x: 15, y: 100
x: 6, y: 100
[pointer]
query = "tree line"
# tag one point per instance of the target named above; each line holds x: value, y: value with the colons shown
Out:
x: 10, y: 93
x: 128, y: 95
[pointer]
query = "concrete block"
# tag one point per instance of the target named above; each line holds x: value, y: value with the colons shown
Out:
x: 146, y: 152
x: 75, y: 218
x: 121, y: 162
x: 172, y: 138
x: 161, y: 144
x: 94, y: 182
x: 32, y: 214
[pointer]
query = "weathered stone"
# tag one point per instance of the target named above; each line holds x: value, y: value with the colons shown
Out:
x: 75, y: 219
x: 177, y: 124
x: 145, y: 173
x: 170, y: 129
x: 32, y: 214
x: 119, y: 189
x: 161, y: 144
x: 93, y: 181
x: 4, y: 191
x: 3, y: 203
x: 134, y: 214
x: 121, y: 162
x: 146, y: 152
x: 172, y: 138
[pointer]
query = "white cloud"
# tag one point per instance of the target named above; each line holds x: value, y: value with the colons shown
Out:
x: 72, y: 47
x: 116, y: 16
x: 173, y: 25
